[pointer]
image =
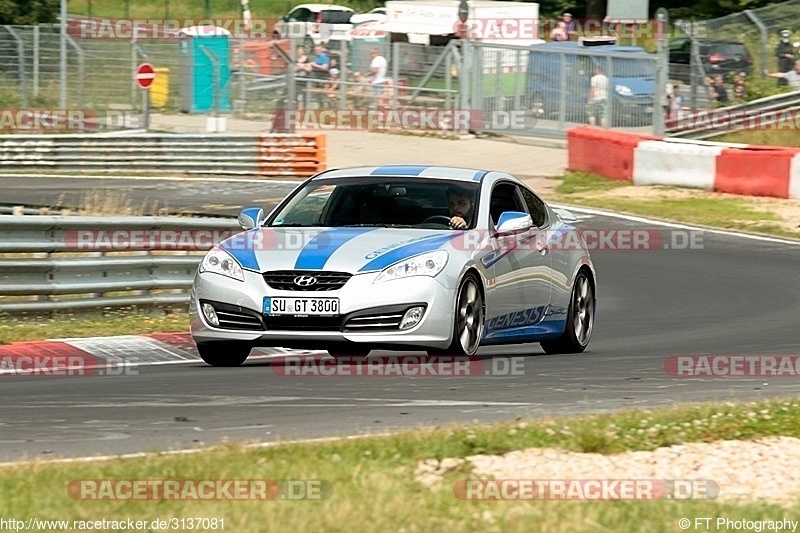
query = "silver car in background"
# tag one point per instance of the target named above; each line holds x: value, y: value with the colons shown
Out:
x: 367, y: 258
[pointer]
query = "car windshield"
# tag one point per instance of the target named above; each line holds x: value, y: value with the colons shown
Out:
x: 335, y: 17
x: 726, y: 49
x: 376, y: 201
x: 632, y: 67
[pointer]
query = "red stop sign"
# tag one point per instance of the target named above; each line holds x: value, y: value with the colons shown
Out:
x: 145, y: 75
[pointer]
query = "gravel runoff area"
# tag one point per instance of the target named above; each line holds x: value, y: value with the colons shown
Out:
x: 761, y: 470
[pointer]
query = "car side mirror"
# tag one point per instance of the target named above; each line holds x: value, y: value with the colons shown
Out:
x: 513, y: 222
x: 252, y: 217
x: 565, y: 215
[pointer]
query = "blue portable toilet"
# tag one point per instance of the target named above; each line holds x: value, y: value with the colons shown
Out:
x: 197, y: 69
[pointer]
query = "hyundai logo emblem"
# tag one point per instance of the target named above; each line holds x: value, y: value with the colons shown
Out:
x: 305, y: 281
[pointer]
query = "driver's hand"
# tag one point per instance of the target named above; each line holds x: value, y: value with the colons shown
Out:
x: 458, y: 223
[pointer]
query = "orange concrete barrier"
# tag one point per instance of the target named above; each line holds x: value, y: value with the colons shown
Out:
x: 300, y: 155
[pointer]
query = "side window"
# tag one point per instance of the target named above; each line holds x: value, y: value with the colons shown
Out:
x: 301, y: 15
x: 535, y: 207
x: 504, y: 198
x: 677, y: 45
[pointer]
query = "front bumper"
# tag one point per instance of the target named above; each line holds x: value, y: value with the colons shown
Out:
x: 357, y: 298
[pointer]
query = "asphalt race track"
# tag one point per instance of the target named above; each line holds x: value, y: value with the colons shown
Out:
x: 730, y: 295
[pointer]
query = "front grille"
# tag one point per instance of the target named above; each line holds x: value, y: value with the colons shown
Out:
x: 303, y: 323
x: 326, y: 281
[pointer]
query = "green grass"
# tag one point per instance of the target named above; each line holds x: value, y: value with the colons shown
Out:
x: 373, y: 482
x: 581, y: 182
x: 579, y: 188
x: 119, y: 322
x: 763, y: 137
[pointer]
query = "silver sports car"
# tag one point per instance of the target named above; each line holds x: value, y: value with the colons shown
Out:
x: 401, y: 258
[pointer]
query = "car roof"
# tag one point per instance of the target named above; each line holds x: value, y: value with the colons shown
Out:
x: 707, y: 40
x: 323, y: 7
x: 406, y: 171
x: 574, y: 45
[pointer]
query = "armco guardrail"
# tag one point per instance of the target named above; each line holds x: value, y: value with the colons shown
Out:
x: 52, y: 263
x: 762, y: 113
x: 299, y: 155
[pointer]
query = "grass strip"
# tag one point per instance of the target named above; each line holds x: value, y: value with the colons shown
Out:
x: 117, y: 322
x: 374, y: 487
x: 705, y: 209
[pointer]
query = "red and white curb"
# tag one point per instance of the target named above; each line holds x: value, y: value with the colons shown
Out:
x: 91, y: 353
x: 722, y: 167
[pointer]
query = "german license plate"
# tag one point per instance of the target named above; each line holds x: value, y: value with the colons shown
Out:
x: 301, y: 306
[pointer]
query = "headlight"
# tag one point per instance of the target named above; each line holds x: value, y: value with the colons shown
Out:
x: 219, y: 261
x: 623, y: 90
x: 428, y: 264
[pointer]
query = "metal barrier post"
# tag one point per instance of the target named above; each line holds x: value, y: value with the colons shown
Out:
x: 36, y: 60
x: 21, y: 65
x: 81, y: 69
x: 763, y: 30
x: 662, y: 71
x: 146, y: 92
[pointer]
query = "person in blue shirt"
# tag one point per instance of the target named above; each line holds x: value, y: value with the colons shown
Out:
x: 321, y: 64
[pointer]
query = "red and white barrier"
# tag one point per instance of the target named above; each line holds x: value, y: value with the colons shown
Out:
x: 682, y: 165
x: 646, y: 160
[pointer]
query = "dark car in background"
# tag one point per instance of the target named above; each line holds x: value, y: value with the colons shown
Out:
x: 716, y: 57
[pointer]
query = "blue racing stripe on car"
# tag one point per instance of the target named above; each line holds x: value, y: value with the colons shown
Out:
x: 241, y: 247
x: 398, y: 170
x: 479, y: 175
x: 409, y: 250
x: 316, y: 253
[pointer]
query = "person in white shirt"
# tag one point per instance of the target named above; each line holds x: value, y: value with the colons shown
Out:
x: 378, y: 67
x: 792, y: 77
x: 598, y: 97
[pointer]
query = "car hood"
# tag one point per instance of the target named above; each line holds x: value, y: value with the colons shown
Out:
x: 344, y: 249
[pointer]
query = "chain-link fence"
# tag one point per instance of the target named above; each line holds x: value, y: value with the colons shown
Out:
x: 524, y: 90
x: 741, y: 45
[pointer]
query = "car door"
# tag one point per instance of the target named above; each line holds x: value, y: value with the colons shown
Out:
x: 520, y: 273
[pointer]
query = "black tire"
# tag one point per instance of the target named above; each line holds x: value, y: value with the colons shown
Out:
x: 467, y: 319
x: 580, y: 319
x: 222, y: 353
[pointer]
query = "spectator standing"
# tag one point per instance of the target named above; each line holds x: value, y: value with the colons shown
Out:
x: 598, y: 97
x: 302, y: 66
x: 719, y: 90
x: 559, y: 33
x: 377, y: 67
x: 331, y: 89
x: 739, y: 88
x: 569, y: 25
x: 785, y: 54
x: 792, y: 77
x: 675, y: 103
x: 359, y: 92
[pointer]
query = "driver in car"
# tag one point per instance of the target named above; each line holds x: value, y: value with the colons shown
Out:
x: 459, y: 203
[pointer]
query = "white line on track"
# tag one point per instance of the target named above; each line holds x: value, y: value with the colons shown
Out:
x: 676, y: 225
